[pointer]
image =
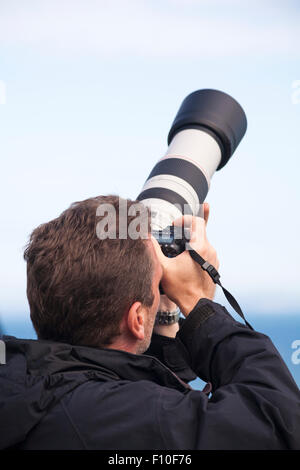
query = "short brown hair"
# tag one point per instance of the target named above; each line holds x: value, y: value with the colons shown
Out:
x: 79, y: 286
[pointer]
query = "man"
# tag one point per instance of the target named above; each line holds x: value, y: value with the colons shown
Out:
x: 85, y: 384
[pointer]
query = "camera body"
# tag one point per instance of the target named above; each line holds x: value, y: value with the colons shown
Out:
x: 171, y: 240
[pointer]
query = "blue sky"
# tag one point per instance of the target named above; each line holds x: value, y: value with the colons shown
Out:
x: 92, y: 88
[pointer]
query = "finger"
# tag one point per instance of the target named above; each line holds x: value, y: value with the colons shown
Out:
x: 194, y: 228
x: 206, y: 211
x: 183, y: 225
x: 197, y: 231
x: 185, y: 220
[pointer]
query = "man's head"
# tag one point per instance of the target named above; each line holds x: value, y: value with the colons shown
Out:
x: 89, y: 291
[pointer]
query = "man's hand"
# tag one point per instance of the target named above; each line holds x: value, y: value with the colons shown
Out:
x: 184, y: 281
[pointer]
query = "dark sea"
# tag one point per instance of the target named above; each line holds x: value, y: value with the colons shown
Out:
x: 283, y: 329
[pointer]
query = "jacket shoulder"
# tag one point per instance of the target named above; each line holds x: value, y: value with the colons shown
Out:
x: 106, y: 415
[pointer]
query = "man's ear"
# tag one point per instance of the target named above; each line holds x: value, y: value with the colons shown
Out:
x: 136, y: 320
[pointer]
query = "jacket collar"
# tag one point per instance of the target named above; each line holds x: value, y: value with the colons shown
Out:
x: 48, y: 358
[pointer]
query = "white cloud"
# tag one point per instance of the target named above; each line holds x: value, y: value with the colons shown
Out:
x: 174, y: 28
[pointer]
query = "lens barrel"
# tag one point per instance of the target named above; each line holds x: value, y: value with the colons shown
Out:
x: 206, y: 131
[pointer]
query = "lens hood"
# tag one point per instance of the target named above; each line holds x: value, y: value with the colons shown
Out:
x: 216, y: 113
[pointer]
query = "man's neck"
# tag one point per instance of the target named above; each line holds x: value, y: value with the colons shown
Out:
x: 122, y: 345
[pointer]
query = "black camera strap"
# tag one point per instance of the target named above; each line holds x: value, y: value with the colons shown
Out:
x: 215, y: 276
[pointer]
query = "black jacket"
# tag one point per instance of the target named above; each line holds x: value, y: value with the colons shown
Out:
x: 58, y: 396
